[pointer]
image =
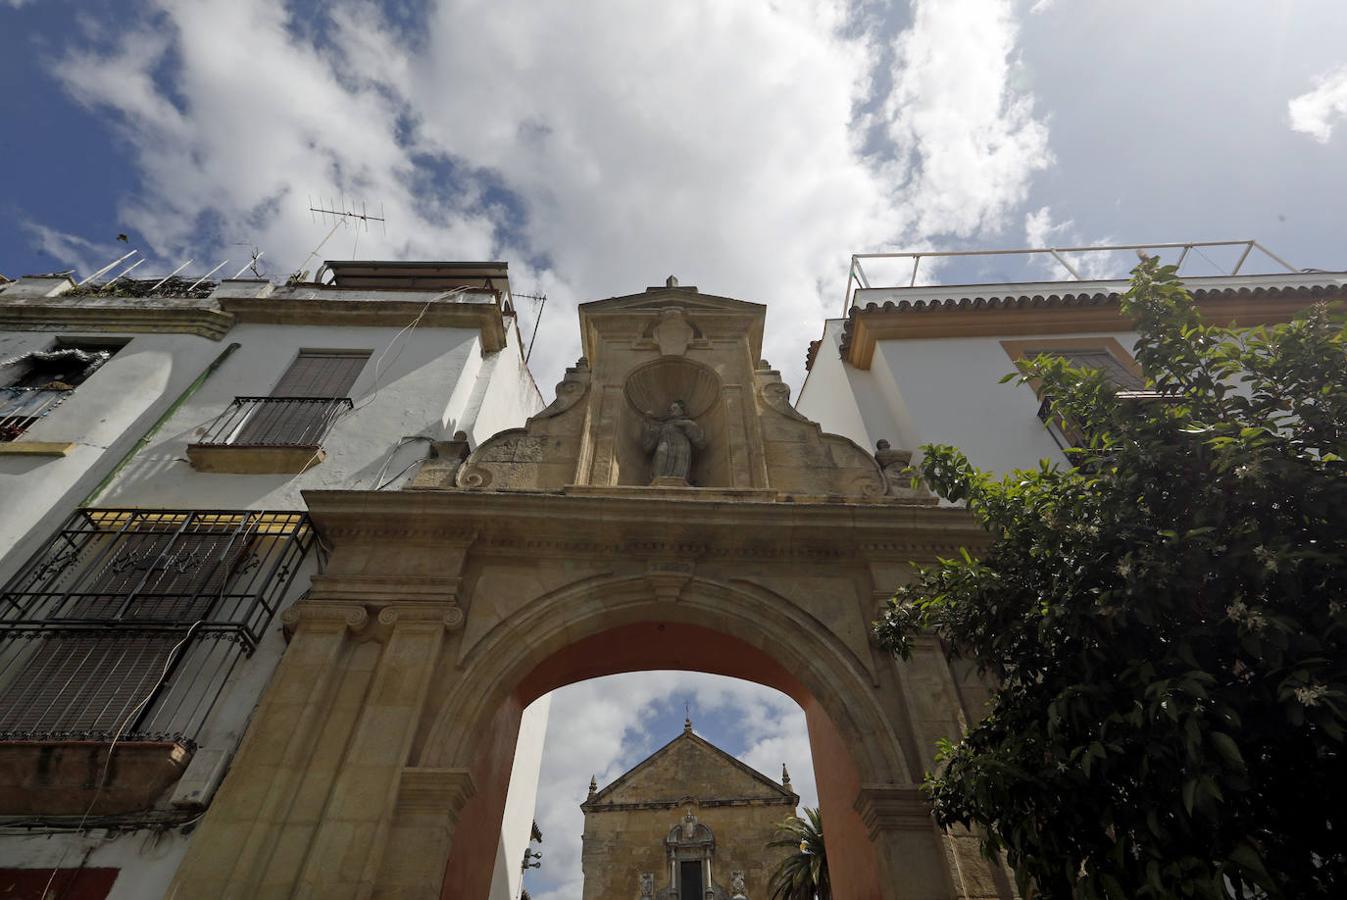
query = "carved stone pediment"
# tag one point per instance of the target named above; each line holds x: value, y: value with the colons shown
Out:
x: 671, y: 396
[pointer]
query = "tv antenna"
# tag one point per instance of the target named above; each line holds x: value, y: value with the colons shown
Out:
x: 541, y: 300
x: 341, y: 217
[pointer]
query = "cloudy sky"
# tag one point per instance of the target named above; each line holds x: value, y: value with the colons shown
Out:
x: 748, y: 146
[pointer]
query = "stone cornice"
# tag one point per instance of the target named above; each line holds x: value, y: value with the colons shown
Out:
x: 442, y: 792
x: 886, y: 807
x: 483, y: 316
x: 792, y: 801
x: 545, y: 524
x: 114, y: 314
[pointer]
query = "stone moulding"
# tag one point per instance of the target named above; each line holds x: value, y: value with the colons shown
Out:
x: 427, y: 790
x: 892, y: 808
x: 483, y: 316
x: 36, y: 448
x: 238, y: 460
x: 84, y: 314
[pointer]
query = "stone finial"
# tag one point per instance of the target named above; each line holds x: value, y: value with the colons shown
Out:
x: 687, y: 725
x: 593, y: 786
x: 671, y: 281
x: 785, y: 776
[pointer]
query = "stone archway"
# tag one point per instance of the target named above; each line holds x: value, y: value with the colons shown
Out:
x: 378, y: 761
x: 618, y: 626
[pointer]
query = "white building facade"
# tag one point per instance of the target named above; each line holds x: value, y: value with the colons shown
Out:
x: 156, y: 441
x: 920, y: 364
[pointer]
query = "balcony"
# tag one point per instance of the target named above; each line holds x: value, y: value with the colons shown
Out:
x: 268, y: 435
x: 126, y: 626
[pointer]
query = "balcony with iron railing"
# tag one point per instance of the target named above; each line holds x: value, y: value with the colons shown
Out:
x: 125, y: 626
x: 268, y: 435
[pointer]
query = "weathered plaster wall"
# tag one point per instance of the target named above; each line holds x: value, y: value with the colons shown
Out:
x: 520, y: 801
x: 406, y: 389
x: 104, y: 417
x: 425, y: 383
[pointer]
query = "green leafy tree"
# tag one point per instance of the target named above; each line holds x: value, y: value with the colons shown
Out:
x: 1164, y: 620
x: 803, y: 875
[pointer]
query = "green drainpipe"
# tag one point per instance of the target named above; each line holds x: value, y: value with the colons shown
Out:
x: 159, y: 423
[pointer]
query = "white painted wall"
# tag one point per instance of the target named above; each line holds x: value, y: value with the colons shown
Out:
x: 424, y: 383
x: 105, y: 417
x: 521, y: 801
x: 934, y: 391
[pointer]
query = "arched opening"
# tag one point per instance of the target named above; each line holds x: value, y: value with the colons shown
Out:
x: 660, y: 645
x: 643, y: 738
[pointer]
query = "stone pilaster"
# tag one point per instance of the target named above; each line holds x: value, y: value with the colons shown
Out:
x: 346, y: 854
x: 907, y: 842
x: 236, y: 840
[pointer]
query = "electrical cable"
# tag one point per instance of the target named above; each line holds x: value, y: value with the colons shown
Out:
x: 117, y: 736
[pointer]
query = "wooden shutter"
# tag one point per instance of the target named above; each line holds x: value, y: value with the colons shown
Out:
x: 1113, y: 368
x: 321, y: 373
x: 313, y: 374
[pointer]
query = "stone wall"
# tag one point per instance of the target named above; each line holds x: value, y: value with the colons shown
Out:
x: 627, y: 823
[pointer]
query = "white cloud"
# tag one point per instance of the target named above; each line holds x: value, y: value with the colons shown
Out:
x: 1314, y: 112
x: 1041, y: 6
x: 79, y: 253
x: 974, y: 141
x: 718, y: 141
x: 1041, y: 231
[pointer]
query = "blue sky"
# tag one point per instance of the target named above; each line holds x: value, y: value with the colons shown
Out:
x: 747, y: 147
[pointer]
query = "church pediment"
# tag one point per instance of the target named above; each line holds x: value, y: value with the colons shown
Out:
x: 689, y: 768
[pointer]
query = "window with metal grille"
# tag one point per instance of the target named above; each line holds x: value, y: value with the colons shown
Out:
x: 129, y: 621
x: 302, y: 407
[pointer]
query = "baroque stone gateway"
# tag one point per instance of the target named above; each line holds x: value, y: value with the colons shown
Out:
x: 378, y: 761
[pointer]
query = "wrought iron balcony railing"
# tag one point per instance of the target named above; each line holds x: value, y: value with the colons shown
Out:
x: 276, y: 422
x: 21, y: 407
x: 129, y: 621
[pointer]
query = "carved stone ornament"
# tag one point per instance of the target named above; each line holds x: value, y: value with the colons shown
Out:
x: 673, y: 333
x: 737, y: 885
x: 647, y: 886
x: 893, y: 463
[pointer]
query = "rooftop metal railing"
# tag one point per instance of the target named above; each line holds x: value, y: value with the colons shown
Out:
x: 276, y: 421
x: 858, y: 279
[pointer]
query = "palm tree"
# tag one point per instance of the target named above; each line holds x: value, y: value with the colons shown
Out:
x: 804, y: 874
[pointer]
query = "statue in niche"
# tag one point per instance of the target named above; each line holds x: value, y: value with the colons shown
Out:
x: 647, y: 886
x: 671, y: 440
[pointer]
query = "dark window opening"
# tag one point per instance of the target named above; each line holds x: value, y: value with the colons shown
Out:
x: 37, y: 382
